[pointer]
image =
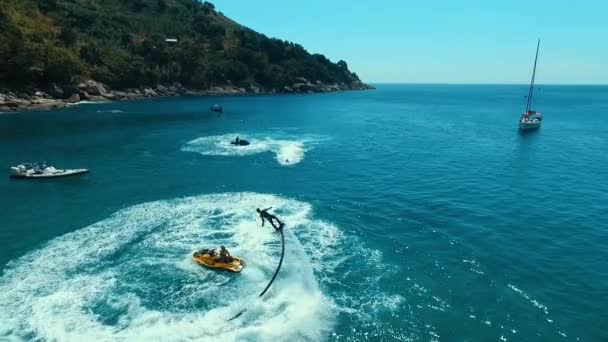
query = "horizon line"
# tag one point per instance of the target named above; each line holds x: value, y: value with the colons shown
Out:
x: 464, y: 83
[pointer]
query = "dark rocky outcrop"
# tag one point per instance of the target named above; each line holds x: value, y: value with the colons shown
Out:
x: 98, y: 92
x: 74, y: 98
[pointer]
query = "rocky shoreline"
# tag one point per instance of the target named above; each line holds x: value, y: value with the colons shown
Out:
x: 57, y: 97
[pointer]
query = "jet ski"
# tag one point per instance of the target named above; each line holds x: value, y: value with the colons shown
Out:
x: 42, y: 171
x: 217, y: 108
x: 208, y: 258
x: 240, y: 142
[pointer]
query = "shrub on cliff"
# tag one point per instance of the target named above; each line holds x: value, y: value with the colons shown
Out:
x: 129, y: 43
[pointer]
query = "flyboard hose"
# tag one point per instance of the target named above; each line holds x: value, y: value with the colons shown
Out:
x: 276, y: 272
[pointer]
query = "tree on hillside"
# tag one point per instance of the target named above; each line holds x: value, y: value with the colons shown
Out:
x: 123, y: 43
x: 162, y: 5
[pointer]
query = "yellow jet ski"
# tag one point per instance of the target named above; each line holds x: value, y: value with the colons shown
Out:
x: 209, y: 258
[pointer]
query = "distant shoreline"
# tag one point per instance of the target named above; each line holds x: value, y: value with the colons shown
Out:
x: 485, y: 84
x: 95, y: 92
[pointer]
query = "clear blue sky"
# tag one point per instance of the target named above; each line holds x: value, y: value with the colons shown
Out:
x: 432, y: 41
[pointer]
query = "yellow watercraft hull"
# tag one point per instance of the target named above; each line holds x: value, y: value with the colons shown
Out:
x: 204, y: 259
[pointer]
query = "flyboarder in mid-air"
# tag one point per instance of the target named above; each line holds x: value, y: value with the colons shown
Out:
x: 265, y: 215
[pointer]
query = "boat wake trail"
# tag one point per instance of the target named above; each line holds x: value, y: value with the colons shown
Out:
x: 132, y: 277
x: 287, y: 152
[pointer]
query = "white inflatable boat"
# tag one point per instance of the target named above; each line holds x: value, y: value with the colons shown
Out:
x: 36, y: 171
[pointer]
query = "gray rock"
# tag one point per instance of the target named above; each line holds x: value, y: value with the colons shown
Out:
x: 46, y: 104
x: 110, y: 96
x: 333, y: 87
x: 178, y: 87
x: 303, y: 87
x: 96, y: 98
x: 15, y: 103
x: 24, y: 96
x: 39, y: 93
x: 84, y: 96
x: 11, y: 104
x: 254, y: 89
x: 93, y: 88
x: 301, y: 80
x: 120, y: 95
x: 162, y: 89
x: 133, y: 94
x: 173, y: 89
x: 74, y: 98
x: 56, y: 91
x: 149, y: 92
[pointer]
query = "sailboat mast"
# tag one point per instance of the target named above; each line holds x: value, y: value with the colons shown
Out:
x: 531, y: 91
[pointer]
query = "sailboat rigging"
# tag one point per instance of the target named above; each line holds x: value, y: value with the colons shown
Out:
x: 531, y: 119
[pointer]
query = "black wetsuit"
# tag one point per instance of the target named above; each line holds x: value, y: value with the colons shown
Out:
x: 271, y: 218
x: 225, y: 256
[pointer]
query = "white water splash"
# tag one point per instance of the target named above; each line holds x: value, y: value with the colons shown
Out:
x: 112, y: 111
x: 131, y: 277
x: 287, y: 151
x: 85, y: 103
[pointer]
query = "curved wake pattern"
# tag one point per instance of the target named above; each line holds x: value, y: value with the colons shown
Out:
x: 131, y: 276
x: 287, y: 152
x: 112, y: 111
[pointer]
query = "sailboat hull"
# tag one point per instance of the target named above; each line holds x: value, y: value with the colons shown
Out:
x: 529, y: 126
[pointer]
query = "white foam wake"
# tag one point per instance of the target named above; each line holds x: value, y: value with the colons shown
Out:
x: 530, y: 299
x: 85, y: 103
x: 287, y: 151
x: 112, y: 111
x: 131, y: 277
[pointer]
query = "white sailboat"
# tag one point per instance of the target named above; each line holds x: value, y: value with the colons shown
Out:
x: 531, y: 119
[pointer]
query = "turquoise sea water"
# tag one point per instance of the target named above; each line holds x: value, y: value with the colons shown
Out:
x: 414, y: 212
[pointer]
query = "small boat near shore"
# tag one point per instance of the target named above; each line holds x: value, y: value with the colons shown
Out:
x: 36, y: 171
x: 217, y: 108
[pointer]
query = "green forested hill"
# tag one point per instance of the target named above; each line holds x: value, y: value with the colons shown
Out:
x: 123, y: 43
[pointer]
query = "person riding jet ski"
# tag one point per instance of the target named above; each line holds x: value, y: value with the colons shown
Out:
x: 239, y: 142
x: 224, y: 255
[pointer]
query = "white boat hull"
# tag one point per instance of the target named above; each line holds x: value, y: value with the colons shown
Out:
x: 528, y: 126
x: 53, y: 174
